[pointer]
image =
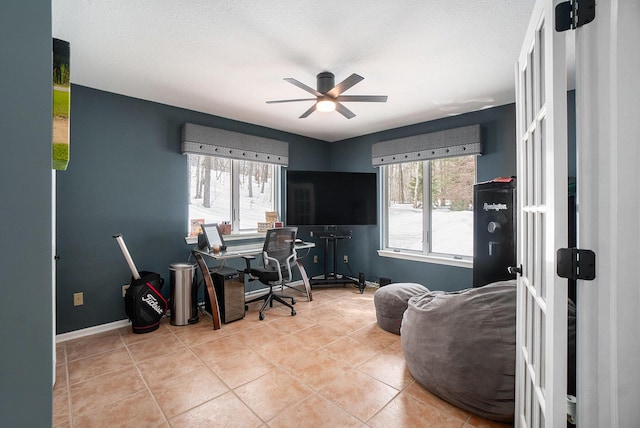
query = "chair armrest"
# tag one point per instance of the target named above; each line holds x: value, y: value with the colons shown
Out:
x: 247, y: 260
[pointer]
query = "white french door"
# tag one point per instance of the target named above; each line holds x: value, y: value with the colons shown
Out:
x: 541, y: 129
x: 608, y: 132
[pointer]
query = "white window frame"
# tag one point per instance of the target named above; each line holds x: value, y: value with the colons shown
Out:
x: 235, y: 193
x: 426, y: 255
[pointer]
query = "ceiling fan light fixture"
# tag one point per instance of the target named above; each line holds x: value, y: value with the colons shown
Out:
x: 328, y: 96
x: 326, y: 105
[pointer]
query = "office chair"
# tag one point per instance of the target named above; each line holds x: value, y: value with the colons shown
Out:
x: 278, y: 256
x: 215, y: 310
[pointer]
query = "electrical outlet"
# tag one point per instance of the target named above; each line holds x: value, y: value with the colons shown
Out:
x: 124, y: 289
x: 78, y: 299
x: 345, y: 258
x: 315, y: 259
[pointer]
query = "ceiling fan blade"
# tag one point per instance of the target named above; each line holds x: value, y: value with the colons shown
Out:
x: 308, y: 112
x: 291, y: 101
x: 363, y: 98
x: 344, y: 111
x: 302, y: 86
x: 344, y: 85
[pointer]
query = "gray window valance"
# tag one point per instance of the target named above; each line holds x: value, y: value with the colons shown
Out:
x: 204, y: 140
x: 466, y: 140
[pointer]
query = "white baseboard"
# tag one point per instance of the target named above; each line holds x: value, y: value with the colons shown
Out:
x: 64, y: 337
x: 91, y: 330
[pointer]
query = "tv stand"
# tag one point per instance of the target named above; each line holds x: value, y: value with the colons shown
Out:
x: 331, y: 238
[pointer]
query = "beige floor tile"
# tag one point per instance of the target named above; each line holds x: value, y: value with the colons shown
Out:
x: 129, y: 337
x: 330, y: 365
x: 182, y: 393
x: 421, y: 393
x: 224, y: 411
x: 322, y: 313
x: 286, y: 351
x: 316, y: 412
x: 272, y: 393
x: 288, y: 324
x: 61, y: 376
x: 389, y: 368
x: 349, y: 323
x: 104, y: 390
x: 220, y: 349
x: 156, y: 347
x: 96, y: 365
x: 60, y: 413
x: 406, y: 411
x: 318, y: 335
x: 92, y: 345
x: 61, y: 355
x: 162, y: 368
x: 193, y: 335
x: 259, y: 334
x: 358, y: 394
x: 319, y: 369
x: 241, y: 368
x: 352, y: 351
x: 372, y: 332
x: 136, y: 410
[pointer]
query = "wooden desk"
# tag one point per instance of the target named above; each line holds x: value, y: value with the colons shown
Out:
x: 232, y: 253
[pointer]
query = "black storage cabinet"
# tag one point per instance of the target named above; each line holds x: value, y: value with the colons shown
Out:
x: 229, y: 286
x: 494, y: 231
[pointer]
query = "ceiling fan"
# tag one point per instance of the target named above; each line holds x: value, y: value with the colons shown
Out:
x: 328, y: 96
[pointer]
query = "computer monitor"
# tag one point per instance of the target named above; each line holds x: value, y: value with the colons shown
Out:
x: 212, y: 236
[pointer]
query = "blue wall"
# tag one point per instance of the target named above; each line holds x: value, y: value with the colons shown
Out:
x: 127, y: 175
x: 26, y: 313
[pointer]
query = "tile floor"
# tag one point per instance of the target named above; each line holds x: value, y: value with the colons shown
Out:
x: 329, y: 366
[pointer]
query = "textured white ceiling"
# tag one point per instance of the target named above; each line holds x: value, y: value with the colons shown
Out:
x: 227, y: 57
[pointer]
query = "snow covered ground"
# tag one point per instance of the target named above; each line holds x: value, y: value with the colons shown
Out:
x: 452, y: 230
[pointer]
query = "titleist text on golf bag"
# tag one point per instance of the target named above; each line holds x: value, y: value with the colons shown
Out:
x: 144, y: 303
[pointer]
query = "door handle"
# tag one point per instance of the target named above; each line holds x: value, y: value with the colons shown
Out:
x: 515, y: 270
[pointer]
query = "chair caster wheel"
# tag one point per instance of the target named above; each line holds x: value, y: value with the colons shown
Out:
x: 293, y: 301
x: 261, y: 317
x: 293, y: 313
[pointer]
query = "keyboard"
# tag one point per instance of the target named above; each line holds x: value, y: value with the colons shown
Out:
x: 242, y: 249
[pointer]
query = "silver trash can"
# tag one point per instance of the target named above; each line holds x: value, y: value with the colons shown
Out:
x: 181, y: 276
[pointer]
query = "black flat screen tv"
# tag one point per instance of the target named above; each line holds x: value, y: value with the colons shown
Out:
x: 327, y: 198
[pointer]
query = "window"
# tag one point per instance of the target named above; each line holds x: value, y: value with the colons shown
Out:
x: 432, y: 217
x: 238, y: 191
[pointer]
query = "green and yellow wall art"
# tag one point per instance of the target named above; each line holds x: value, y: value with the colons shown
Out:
x: 61, y: 104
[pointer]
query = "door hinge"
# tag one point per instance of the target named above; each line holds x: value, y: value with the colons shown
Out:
x: 574, y: 13
x: 573, y: 263
x: 571, y: 409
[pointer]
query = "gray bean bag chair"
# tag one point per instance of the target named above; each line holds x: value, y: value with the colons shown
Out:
x: 391, y: 302
x: 461, y: 347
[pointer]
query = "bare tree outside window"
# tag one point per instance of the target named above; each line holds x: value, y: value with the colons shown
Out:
x: 448, y: 219
x: 214, y: 195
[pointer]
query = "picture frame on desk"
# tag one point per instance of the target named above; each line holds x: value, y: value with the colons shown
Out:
x: 270, y: 216
x: 225, y: 228
x: 196, y: 226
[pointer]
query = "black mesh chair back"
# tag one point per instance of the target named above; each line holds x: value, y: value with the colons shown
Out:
x: 278, y: 258
x: 278, y: 255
